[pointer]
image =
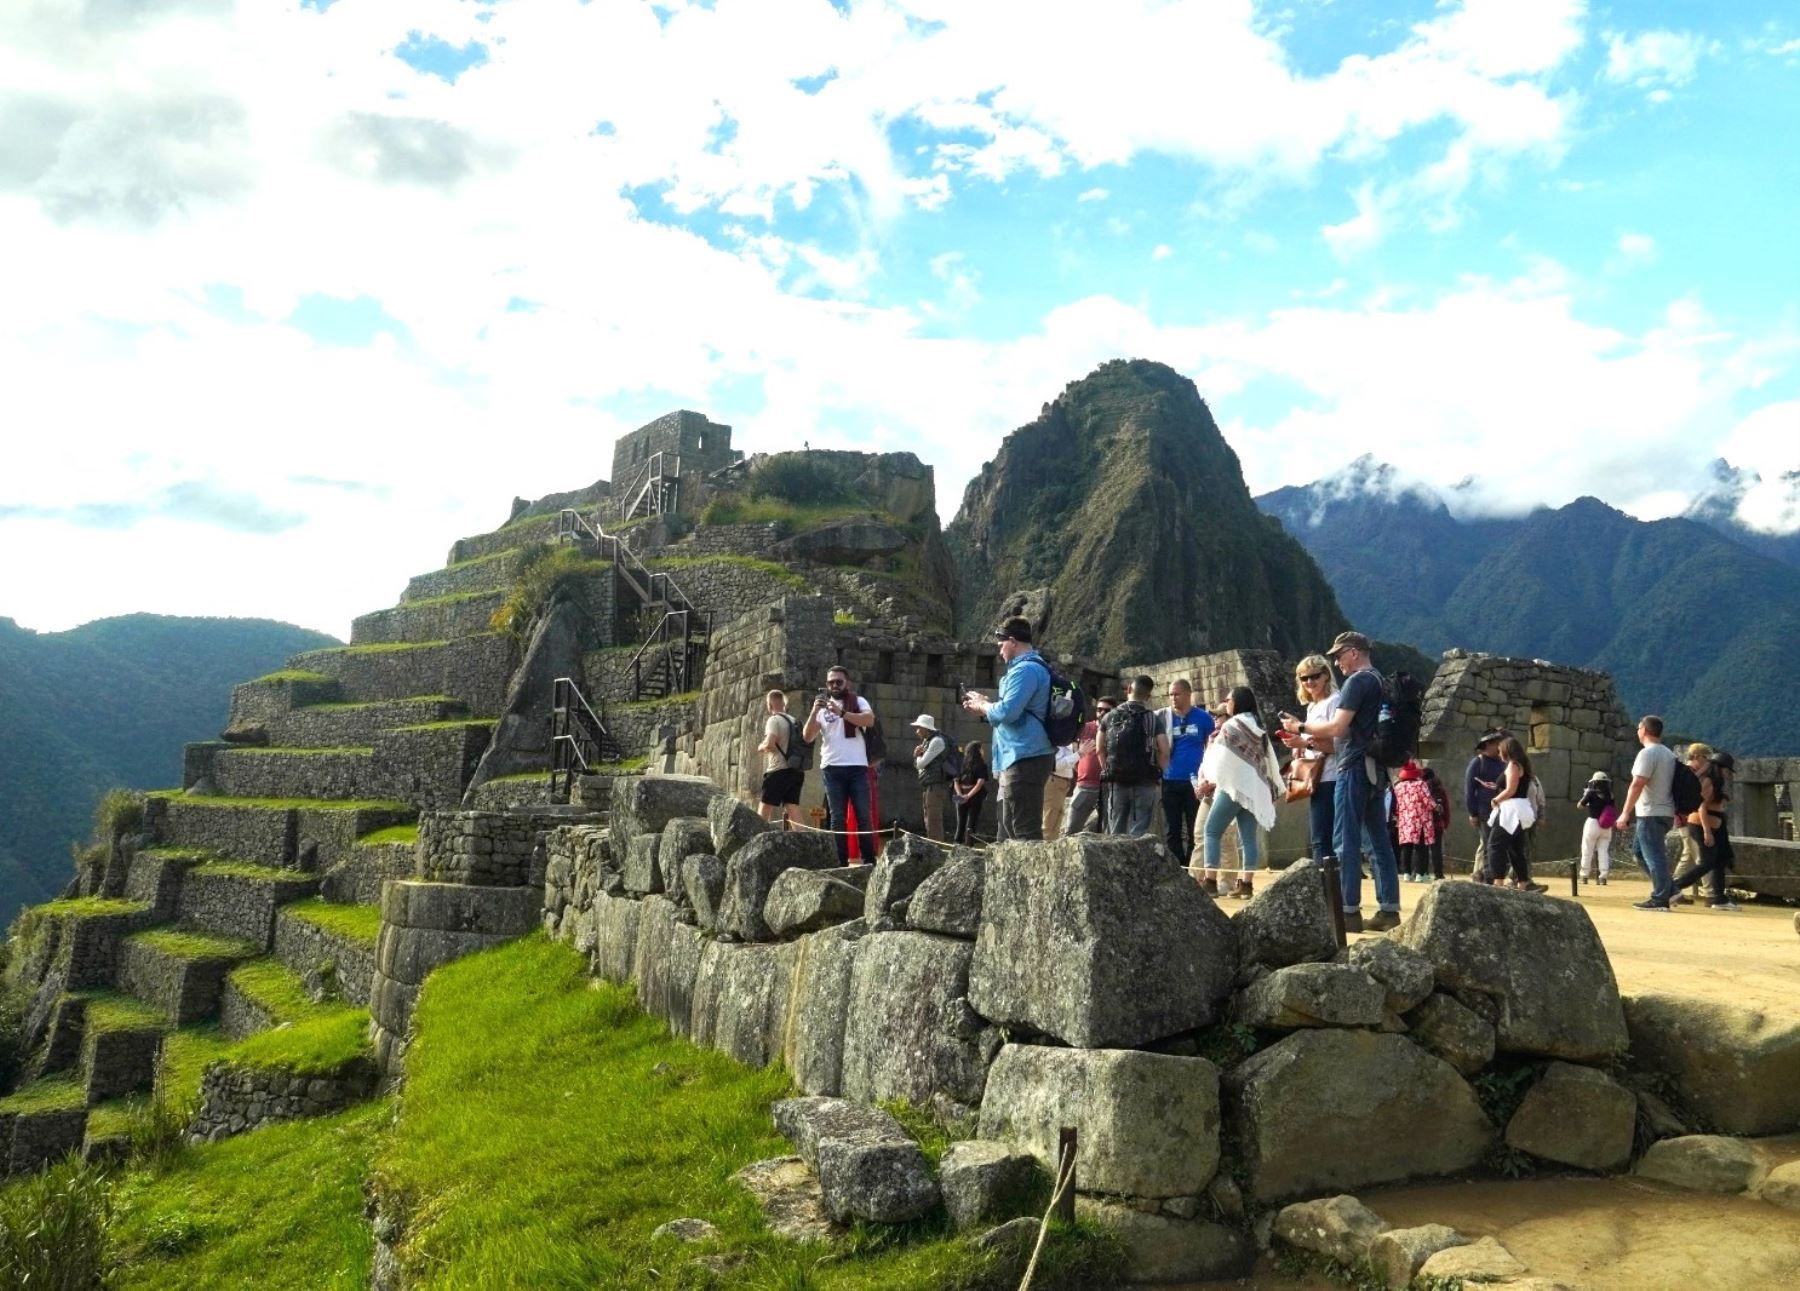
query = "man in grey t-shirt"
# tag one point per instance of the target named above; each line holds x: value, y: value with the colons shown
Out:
x: 1651, y: 802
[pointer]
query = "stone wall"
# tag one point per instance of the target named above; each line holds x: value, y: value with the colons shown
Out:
x: 430, y: 765
x: 236, y: 1098
x: 254, y: 704
x: 186, y: 990
x: 724, y: 588
x: 292, y: 773
x: 307, y: 947
x: 471, y: 669
x: 691, y: 444
x: 234, y: 906
x: 728, y: 540
x: 486, y: 849
x: 483, y: 574
x: 467, y: 615
x: 29, y: 1141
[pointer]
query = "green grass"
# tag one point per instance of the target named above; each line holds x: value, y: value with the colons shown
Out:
x: 273, y: 985
x: 186, y: 1054
x: 86, y: 908
x: 291, y: 804
x: 177, y: 853
x: 734, y: 508
x: 392, y: 834
x: 50, y: 1094
x: 326, y: 1041
x: 245, y: 870
x: 359, y: 922
x: 115, y: 1117
x: 453, y: 724
x: 482, y: 560
x: 378, y: 703
x: 549, y: 1126
x: 295, y: 676
x: 193, y: 945
x: 381, y: 647
x: 307, y: 752
x: 110, y: 1011
x: 627, y: 766
x: 518, y: 777
x: 449, y: 598
x: 780, y: 573
x: 279, y: 1209
x: 685, y: 697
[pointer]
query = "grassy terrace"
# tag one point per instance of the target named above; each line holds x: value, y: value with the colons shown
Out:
x: 381, y: 647
x: 86, y: 908
x: 451, y: 724
x: 509, y: 554
x: 285, y: 804
x: 392, y: 834
x: 295, y: 675
x: 177, y: 853
x: 110, y: 1011
x: 357, y: 922
x: 245, y: 870
x: 193, y: 945
x: 449, y: 598
x: 377, y: 703
x: 780, y: 573
x: 265, y: 751
x: 274, y: 986
x: 51, y: 1094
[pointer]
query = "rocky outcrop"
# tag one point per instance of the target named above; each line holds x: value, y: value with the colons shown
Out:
x: 1288, y: 920
x: 1738, y: 1068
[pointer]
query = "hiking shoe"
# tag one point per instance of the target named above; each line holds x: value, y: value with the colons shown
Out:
x: 1534, y: 887
x: 1382, y: 920
x: 1726, y: 904
x: 1211, y: 886
x: 1660, y: 907
x: 1681, y: 898
x: 1353, y: 921
x: 1243, y: 890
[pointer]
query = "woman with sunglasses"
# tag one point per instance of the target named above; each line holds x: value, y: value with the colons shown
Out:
x: 1315, y: 687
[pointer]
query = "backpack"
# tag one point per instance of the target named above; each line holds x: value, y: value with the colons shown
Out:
x: 1684, y: 788
x: 1534, y: 794
x: 953, y: 762
x: 1397, y: 727
x: 1130, y: 735
x: 876, y: 742
x: 797, y: 752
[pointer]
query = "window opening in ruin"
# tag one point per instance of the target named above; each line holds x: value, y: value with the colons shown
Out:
x: 884, y: 667
x: 934, y: 670
x: 987, y: 669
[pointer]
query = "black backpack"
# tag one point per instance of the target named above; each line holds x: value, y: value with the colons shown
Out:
x: 1130, y: 736
x: 797, y: 753
x: 1684, y: 788
x: 876, y: 742
x: 1397, y: 726
x: 1068, y: 710
x: 953, y: 761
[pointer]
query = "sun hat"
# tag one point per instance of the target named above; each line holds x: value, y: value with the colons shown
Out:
x: 925, y: 721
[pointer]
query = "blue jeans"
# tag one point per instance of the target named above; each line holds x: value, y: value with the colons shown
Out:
x: 1651, y: 843
x: 850, y: 785
x: 1322, y: 808
x: 1224, y: 811
x: 1129, y: 807
x: 1359, y: 824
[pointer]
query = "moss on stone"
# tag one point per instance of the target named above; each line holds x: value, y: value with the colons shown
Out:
x: 626, y: 766
x: 85, y: 908
x: 340, y: 750
x: 193, y: 945
x: 177, y: 853
x: 451, y: 724
x: 448, y: 598
x: 510, y: 552
x: 684, y: 697
x: 357, y: 922
x: 246, y: 870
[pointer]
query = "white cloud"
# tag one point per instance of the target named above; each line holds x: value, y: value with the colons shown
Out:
x: 1767, y: 442
x: 1362, y: 230
x: 1637, y: 246
x: 1093, y: 195
x: 1162, y: 252
x: 1654, y: 61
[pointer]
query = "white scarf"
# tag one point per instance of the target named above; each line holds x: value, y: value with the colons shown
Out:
x: 1251, y: 784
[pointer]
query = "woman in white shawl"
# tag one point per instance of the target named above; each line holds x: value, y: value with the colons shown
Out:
x: 1241, y: 778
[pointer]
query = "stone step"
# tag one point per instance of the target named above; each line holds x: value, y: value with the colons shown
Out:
x: 520, y: 533
x: 336, y: 942
x: 77, y: 938
x: 441, y: 618
x: 236, y: 899
x: 154, y: 877
x: 336, y: 726
x: 386, y: 854
x: 121, y: 1040
x: 473, y: 670
x: 41, y: 1123
x: 297, y: 773
x: 256, y: 704
x: 297, y: 834
x: 495, y: 572
x: 527, y: 789
x: 260, y: 995
x: 180, y: 973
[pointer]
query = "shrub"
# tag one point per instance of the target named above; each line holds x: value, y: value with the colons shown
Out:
x: 547, y: 571
x: 800, y: 478
x: 53, y: 1229
x: 120, y: 811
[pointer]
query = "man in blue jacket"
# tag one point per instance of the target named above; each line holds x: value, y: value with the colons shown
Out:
x: 1023, y: 756
x: 1480, y: 783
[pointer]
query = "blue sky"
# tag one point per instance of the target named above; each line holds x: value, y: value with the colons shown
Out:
x: 312, y: 288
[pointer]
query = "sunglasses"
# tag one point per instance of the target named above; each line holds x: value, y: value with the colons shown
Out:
x: 1315, y: 676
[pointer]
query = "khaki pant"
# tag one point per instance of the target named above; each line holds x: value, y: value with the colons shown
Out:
x: 1056, y: 793
x: 934, y: 798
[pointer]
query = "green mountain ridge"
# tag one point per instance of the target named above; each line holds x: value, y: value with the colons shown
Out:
x: 109, y: 703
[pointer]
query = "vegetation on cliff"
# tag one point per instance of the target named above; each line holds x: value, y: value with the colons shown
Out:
x: 1125, y: 501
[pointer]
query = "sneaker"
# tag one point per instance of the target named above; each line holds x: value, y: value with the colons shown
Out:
x: 1602, y: 880
x: 1659, y: 907
x: 1211, y: 886
x: 1244, y: 890
x: 1353, y: 921
x: 1382, y: 920
x: 1726, y: 904
x: 1681, y: 898
x: 1534, y: 887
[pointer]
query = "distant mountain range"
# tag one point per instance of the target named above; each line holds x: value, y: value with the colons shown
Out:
x: 1693, y: 620
x: 109, y: 703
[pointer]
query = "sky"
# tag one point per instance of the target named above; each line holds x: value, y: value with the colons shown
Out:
x: 293, y: 293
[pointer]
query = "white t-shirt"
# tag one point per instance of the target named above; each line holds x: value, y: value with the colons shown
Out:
x: 775, y: 730
x: 1322, y: 710
x: 1656, y: 763
x: 837, y: 747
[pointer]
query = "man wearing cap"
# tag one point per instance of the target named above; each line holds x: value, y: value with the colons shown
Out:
x: 1358, y: 800
x: 1084, y: 802
x: 1480, y: 782
x: 934, y: 784
x: 1023, y: 756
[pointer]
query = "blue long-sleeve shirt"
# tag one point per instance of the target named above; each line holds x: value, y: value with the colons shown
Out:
x: 1478, y: 799
x: 1018, y: 715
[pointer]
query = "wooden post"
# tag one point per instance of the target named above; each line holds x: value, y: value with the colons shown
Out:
x: 1065, y: 1165
x: 1334, y: 896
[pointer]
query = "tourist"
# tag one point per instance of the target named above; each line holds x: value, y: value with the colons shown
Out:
x: 1508, y: 819
x: 1480, y: 781
x: 1023, y: 757
x: 1596, y: 831
x: 1650, y: 806
x: 1057, y: 790
x: 1240, y: 777
x: 1315, y: 688
x: 838, y: 721
x: 1707, y: 825
x: 1357, y: 805
x: 1084, y: 801
x: 928, y: 765
x: 1131, y: 762
x: 1415, y: 817
x: 782, y: 773
x: 970, y: 792
x: 1181, y: 731
x: 1440, y: 820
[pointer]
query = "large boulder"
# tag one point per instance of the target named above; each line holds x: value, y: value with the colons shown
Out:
x: 1738, y: 1068
x: 868, y: 1167
x: 1399, y: 1253
x: 910, y: 1032
x: 808, y: 900
x: 814, y: 1044
x: 1339, y: 1228
x: 1447, y: 1029
x: 732, y: 824
x: 907, y: 862
x: 949, y: 901
x: 1406, y: 975
x: 752, y: 871
x: 1535, y: 967
x: 1483, y: 1261
x: 1147, y: 1124
x: 1704, y: 1163
x: 1166, y: 1249
x: 1288, y: 921
x: 646, y: 804
x: 1575, y: 1116
x: 682, y: 837
x: 1100, y: 942
x: 703, y: 882
x: 1311, y: 995
x: 640, y: 870
x: 986, y: 1183
x: 741, y: 996
x: 1337, y: 1110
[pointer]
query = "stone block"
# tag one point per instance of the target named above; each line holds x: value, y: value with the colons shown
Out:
x: 703, y: 881
x: 1339, y: 1228
x: 615, y: 937
x: 802, y: 901
x: 910, y: 1032
x: 732, y: 824
x: 887, y: 1183
x: 741, y: 995
x: 1448, y: 1030
x: 907, y: 862
x: 814, y: 1044
x: 1738, y: 1068
x: 1398, y: 1254
x: 1323, y: 1109
x: 1099, y: 942
x: 1164, y: 1249
x: 1575, y: 1116
x: 949, y: 901
x: 682, y: 837
x: 1288, y: 920
x: 1406, y: 975
x: 752, y: 871
x: 1537, y: 967
x: 1704, y: 1163
x: 641, y: 872
x: 1311, y: 995
x: 1147, y: 1124
x: 986, y: 1183
x: 646, y: 804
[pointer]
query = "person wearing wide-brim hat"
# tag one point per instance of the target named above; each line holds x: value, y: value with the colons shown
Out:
x: 934, y: 781
x: 1480, y: 782
x: 1596, y: 831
